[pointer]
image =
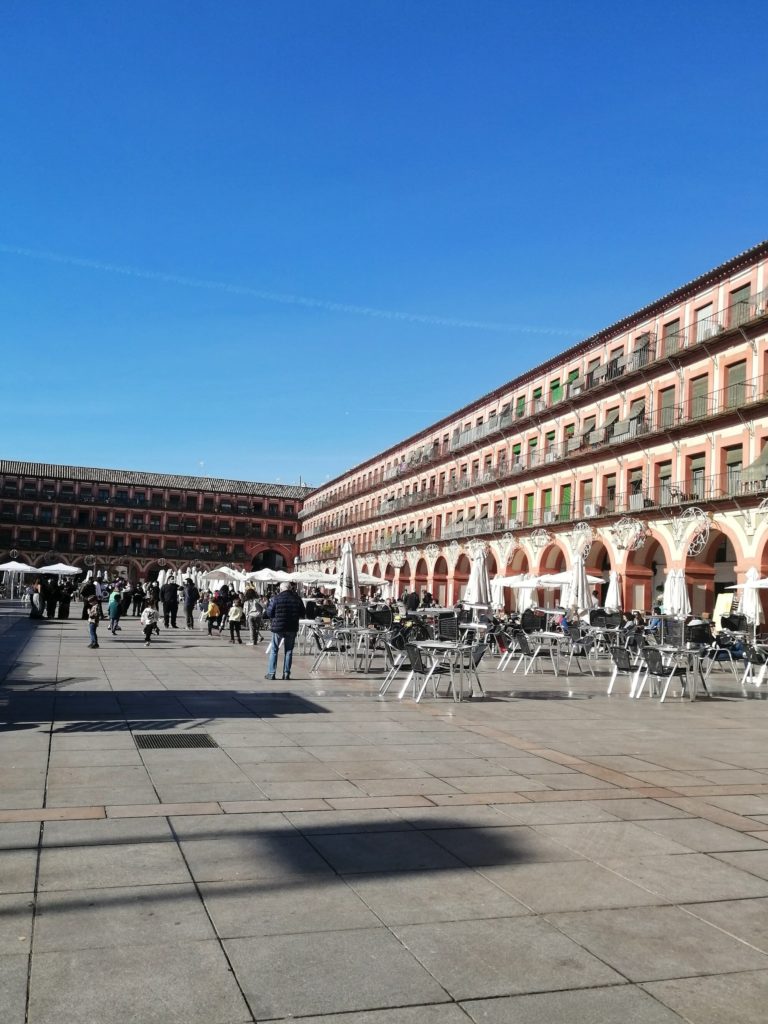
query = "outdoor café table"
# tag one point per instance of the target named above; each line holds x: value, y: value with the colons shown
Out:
x: 359, y: 639
x: 454, y: 655
x: 306, y: 642
x: 691, y: 656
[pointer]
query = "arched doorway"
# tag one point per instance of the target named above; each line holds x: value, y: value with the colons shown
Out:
x: 645, y: 576
x: 420, y: 576
x: 710, y: 572
x: 460, y: 578
x: 405, y: 577
x: 389, y: 576
x: 440, y: 582
x: 268, y: 560
x: 599, y: 564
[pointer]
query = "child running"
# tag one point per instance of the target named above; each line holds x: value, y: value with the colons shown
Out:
x: 149, y: 622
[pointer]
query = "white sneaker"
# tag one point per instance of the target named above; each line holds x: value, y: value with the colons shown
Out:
x: 147, y: 644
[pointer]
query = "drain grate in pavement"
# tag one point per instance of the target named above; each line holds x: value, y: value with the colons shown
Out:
x: 172, y: 740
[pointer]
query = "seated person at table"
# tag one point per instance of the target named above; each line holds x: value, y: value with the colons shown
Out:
x: 654, y: 622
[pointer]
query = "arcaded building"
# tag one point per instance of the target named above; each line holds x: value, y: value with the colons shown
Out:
x: 137, y: 523
x: 642, y: 448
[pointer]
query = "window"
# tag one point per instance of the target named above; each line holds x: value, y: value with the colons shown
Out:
x: 103, y: 494
x: 555, y: 390
x: 207, y: 504
x: 122, y: 496
x: 705, y: 325
x: 529, y: 500
x: 191, y: 503
x: 642, y: 349
x: 666, y: 408
x: 273, y: 508
x: 699, y: 403
x: 512, y: 510
x: 697, y: 465
x: 565, y: 501
x: 520, y: 406
x: 670, y: 336
x: 733, y: 465
x: 139, y: 497
x: 739, y: 304
x: 735, y: 390
x: 637, y: 410
x: 289, y: 510
x: 664, y: 482
x: 635, y: 480
x: 174, y: 500
x: 609, y: 492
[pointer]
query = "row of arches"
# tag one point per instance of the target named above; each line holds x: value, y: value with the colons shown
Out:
x: 719, y: 565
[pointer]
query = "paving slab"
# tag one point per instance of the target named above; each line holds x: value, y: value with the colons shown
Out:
x: 174, y: 983
x: 720, y: 999
x: 695, y: 877
x: 95, y: 867
x: 295, y: 975
x: 569, y: 885
x: 242, y: 908
x: 421, y: 897
x: 105, y: 832
x: 13, y: 988
x: 262, y: 856
x: 653, y: 943
x: 593, y: 1006
x: 382, y: 852
x: 119, y: 916
x: 506, y: 956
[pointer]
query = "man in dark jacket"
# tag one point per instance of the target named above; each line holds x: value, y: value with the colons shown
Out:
x: 191, y: 597
x: 169, y: 593
x: 284, y: 610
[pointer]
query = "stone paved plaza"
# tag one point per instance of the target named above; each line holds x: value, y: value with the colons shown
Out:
x: 547, y: 854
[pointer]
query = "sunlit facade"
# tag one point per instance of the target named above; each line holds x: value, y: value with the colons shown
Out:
x: 137, y: 523
x: 643, y: 446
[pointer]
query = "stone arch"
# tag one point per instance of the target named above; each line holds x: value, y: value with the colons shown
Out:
x: 269, y: 558
x: 518, y: 563
x: 552, y: 559
x: 599, y: 563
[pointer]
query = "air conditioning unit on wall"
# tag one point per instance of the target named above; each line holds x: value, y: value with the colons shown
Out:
x: 591, y: 508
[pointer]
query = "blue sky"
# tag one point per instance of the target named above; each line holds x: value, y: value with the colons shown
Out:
x: 512, y: 175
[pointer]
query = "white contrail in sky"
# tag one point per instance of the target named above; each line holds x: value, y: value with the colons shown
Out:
x: 286, y: 299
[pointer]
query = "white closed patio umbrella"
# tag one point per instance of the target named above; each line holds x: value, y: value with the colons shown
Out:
x: 478, y: 592
x: 749, y: 604
x: 676, y: 600
x: 613, y: 594
x: 347, y: 588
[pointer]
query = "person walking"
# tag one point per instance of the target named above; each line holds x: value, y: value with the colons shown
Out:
x: 114, y: 607
x: 190, y: 595
x: 213, y: 615
x: 170, y: 597
x: 138, y: 599
x: 254, y: 613
x: 94, y: 617
x: 236, y: 617
x: 149, y: 622
x: 284, y: 610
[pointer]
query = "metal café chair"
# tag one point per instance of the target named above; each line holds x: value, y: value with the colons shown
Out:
x: 531, y: 656
x: 622, y: 662
x: 421, y: 673
x: 448, y: 628
x: 508, y: 647
x: 655, y: 667
x: 329, y: 644
x: 578, y: 646
x: 476, y: 654
x: 756, y: 666
x: 394, y: 659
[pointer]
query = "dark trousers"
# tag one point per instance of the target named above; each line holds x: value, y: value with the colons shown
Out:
x: 189, y: 611
x: 234, y: 627
x: 148, y: 631
x: 170, y: 611
x: 214, y: 620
